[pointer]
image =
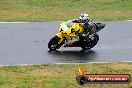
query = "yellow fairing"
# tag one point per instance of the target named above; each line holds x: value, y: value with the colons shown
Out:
x: 71, y: 32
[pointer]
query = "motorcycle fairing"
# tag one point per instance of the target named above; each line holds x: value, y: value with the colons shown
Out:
x: 70, y: 32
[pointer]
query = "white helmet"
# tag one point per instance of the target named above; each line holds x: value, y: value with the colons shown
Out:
x: 84, y: 18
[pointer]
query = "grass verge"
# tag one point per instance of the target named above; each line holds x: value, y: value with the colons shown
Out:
x: 54, y: 10
x: 59, y: 75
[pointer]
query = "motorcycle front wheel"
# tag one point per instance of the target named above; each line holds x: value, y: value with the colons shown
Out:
x: 53, y: 43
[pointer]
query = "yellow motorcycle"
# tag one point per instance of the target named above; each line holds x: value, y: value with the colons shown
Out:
x: 87, y: 38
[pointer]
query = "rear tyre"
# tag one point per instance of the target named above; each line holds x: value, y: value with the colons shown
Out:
x: 90, y: 43
x: 53, y: 43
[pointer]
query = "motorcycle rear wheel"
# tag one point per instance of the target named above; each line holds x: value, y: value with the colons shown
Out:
x: 91, y: 43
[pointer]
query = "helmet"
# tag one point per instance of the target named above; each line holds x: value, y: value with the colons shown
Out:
x: 84, y: 18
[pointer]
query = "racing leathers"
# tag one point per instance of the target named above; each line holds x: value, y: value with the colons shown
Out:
x: 88, y: 26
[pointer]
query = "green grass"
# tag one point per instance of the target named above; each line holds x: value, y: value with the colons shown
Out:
x: 54, y: 10
x: 59, y: 76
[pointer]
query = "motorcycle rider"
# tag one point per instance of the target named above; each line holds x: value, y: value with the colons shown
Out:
x: 83, y: 19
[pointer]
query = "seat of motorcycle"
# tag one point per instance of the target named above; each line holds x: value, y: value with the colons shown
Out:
x: 100, y: 25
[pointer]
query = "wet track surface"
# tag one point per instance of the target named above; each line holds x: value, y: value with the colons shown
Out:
x: 26, y: 43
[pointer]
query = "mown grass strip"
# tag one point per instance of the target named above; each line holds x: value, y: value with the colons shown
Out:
x: 59, y: 75
x: 56, y: 10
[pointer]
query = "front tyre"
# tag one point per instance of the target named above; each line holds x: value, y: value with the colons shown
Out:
x: 53, y: 43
